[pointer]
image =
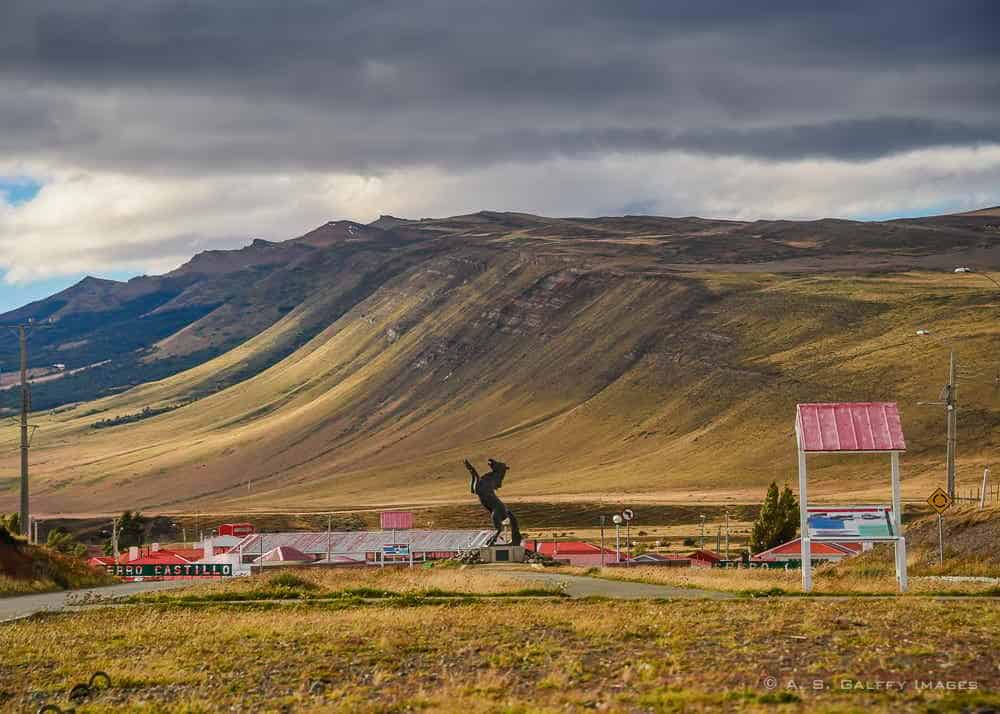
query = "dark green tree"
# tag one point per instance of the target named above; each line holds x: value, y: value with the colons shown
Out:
x: 131, y: 531
x: 64, y: 542
x: 788, y: 506
x: 778, y: 519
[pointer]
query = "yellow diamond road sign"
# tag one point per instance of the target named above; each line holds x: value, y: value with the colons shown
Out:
x: 939, y: 500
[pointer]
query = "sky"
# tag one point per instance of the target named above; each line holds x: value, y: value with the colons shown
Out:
x: 134, y: 134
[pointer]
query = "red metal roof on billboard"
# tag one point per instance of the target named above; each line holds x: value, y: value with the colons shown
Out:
x: 849, y: 426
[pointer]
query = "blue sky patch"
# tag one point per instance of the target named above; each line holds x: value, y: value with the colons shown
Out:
x: 19, y: 190
x: 13, y: 296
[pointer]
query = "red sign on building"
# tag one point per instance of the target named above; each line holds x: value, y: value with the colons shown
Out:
x: 238, y: 530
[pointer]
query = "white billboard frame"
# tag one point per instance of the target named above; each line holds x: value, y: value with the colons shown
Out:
x: 898, y: 541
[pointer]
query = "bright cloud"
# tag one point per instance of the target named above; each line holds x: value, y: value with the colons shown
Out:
x: 98, y: 222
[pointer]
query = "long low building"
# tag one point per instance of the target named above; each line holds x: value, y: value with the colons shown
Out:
x: 360, y: 546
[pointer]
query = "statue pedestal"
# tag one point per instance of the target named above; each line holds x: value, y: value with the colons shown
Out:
x: 502, y: 554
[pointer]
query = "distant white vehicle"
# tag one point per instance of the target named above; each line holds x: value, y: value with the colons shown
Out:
x: 923, y: 332
x: 963, y: 270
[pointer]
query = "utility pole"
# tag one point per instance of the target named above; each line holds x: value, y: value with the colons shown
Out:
x: 727, y: 534
x: 951, y: 404
x: 22, y: 337
x: 603, y: 518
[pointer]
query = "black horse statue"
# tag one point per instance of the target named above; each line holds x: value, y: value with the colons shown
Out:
x: 485, y: 487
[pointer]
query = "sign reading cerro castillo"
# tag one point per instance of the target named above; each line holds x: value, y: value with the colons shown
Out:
x: 149, y: 570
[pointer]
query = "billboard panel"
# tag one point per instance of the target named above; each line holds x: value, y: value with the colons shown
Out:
x: 839, y: 523
x: 396, y: 520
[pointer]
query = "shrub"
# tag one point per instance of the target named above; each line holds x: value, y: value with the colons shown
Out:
x: 290, y: 580
x: 63, y: 542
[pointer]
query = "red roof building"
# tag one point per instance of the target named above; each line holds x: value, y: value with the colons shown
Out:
x: 704, y: 558
x: 576, y: 552
x: 151, y: 556
x: 668, y: 559
x: 792, y: 550
x: 284, y: 554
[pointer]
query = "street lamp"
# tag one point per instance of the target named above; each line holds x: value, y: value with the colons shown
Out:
x: 617, y: 519
x: 702, y: 531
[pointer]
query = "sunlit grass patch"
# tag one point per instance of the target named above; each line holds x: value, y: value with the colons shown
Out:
x: 402, y: 586
x: 840, y: 579
x: 515, y: 655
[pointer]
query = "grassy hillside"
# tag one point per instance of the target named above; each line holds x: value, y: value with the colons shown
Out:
x: 28, y: 569
x: 107, y: 336
x: 591, y: 381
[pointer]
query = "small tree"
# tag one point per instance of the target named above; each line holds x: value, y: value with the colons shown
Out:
x: 64, y: 542
x: 778, y: 520
x: 788, y: 506
x: 131, y: 531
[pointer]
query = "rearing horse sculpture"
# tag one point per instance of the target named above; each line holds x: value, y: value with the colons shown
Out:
x: 485, y: 487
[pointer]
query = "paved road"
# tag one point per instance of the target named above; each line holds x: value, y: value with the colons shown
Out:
x: 12, y: 608
x: 582, y: 586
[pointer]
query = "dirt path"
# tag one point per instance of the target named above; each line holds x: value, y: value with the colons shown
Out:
x: 578, y: 586
x: 14, y: 608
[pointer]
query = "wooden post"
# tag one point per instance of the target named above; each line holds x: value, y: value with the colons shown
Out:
x: 940, y: 539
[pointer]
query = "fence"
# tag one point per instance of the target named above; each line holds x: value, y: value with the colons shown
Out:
x: 973, y: 494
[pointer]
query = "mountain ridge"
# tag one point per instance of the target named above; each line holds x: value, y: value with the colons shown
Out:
x: 590, y: 352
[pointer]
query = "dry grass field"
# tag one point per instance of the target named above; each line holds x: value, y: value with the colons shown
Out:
x: 827, y: 580
x: 503, y: 655
x: 369, y: 582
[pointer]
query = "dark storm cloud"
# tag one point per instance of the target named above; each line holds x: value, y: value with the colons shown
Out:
x: 367, y: 86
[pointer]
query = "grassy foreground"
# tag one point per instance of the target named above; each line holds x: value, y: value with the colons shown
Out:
x: 510, y: 655
x: 877, y: 579
x: 345, y: 585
